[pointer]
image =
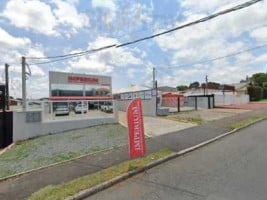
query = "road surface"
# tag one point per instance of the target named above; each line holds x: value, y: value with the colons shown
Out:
x: 234, y: 168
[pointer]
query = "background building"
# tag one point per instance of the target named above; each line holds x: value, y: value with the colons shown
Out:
x: 66, y: 86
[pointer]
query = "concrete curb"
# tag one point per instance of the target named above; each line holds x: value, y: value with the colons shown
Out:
x: 7, y: 148
x: 54, y: 164
x: 93, y: 190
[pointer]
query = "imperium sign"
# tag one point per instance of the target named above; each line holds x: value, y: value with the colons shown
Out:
x: 82, y: 79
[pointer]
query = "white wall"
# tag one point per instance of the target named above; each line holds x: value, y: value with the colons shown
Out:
x: 228, y: 99
x: 202, y: 102
x: 149, y: 106
x: 23, y: 130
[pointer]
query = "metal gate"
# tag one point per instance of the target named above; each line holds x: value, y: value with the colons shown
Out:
x: 6, y: 121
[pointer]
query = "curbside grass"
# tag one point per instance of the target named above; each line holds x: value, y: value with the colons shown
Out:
x: 60, y: 192
x: 246, y: 122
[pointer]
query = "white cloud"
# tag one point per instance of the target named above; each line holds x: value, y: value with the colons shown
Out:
x: 215, y: 38
x: 32, y: 15
x: 90, y: 66
x: 260, y: 34
x: 103, y: 61
x: 108, y: 4
x: 116, y: 56
x: 261, y: 58
x: 36, y: 71
x: 207, y: 5
x: 66, y: 13
x: 11, y: 49
x: 39, y: 17
x: 8, y: 41
x: 131, y: 72
x: 37, y: 88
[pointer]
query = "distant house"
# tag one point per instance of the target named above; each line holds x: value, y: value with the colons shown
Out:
x: 241, y: 88
x: 164, y: 89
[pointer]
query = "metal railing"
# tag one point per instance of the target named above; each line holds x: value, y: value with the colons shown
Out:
x: 72, y: 109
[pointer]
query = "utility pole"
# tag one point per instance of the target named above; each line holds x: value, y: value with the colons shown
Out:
x: 23, y: 78
x: 154, y: 78
x: 206, y: 84
x: 7, y: 88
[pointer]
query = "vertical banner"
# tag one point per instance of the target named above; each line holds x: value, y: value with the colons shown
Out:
x: 136, y: 135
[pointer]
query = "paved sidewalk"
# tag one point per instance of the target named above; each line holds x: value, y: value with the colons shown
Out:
x: 24, y: 185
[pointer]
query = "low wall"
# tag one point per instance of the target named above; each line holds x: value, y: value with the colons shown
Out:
x: 148, y: 106
x: 202, y: 102
x: 221, y: 100
x: 25, y: 126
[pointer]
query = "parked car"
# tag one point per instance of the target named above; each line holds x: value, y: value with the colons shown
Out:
x: 80, y: 108
x: 107, y: 107
x: 62, y: 110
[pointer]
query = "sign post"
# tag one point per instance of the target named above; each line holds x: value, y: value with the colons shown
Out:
x: 136, y: 135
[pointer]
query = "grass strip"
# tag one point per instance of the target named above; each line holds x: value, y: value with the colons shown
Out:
x: 60, y: 192
x: 194, y: 120
x: 246, y: 122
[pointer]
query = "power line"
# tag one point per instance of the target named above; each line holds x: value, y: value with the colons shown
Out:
x: 235, y: 8
x: 68, y: 56
x: 221, y: 57
x: 73, y: 54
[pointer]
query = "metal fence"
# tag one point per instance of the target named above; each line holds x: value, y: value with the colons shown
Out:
x: 59, y: 110
x: 187, y: 103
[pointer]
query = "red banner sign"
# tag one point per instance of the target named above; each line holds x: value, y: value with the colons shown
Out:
x: 137, y: 146
x: 81, y: 79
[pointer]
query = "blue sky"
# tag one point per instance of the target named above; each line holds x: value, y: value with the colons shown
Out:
x: 55, y: 27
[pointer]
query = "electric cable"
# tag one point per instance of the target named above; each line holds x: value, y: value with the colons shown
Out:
x: 204, y: 19
x: 201, y: 20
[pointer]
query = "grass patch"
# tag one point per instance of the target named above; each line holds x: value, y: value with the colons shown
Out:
x: 19, y: 151
x: 71, y: 188
x: 49, y: 149
x: 194, y: 120
x: 246, y: 122
x: 263, y: 100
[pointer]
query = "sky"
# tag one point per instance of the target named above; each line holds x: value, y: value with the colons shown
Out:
x: 41, y: 28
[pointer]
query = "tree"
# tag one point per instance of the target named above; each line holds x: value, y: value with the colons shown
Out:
x: 194, y: 85
x: 259, y: 78
x: 182, y: 87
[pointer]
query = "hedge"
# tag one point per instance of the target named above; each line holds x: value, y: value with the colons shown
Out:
x: 255, y: 93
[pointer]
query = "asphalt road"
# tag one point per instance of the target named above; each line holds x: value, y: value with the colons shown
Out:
x: 233, y: 168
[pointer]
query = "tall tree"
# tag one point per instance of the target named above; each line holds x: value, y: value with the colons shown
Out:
x: 182, y: 87
x: 259, y: 78
x: 194, y: 85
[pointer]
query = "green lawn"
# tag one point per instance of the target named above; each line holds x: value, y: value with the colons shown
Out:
x: 263, y: 100
x: 46, y: 150
x: 60, y: 192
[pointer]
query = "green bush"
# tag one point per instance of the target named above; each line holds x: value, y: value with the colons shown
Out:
x: 264, y: 93
x: 255, y: 93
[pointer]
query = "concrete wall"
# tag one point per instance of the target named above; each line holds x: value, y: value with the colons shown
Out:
x: 149, y: 106
x: 202, y: 102
x: 227, y: 99
x: 23, y: 130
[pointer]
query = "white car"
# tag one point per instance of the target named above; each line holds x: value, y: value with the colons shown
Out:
x: 62, y: 110
x: 107, y: 108
x: 80, y: 108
